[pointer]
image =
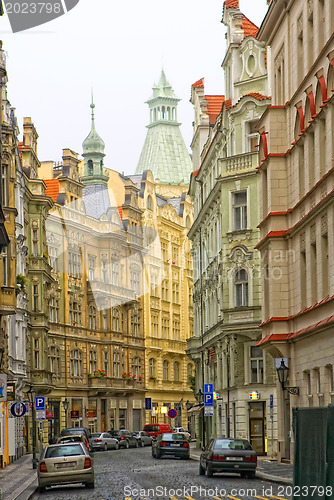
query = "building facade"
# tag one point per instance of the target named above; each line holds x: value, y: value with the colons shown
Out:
x: 297, y: 209
x: 227, y: 268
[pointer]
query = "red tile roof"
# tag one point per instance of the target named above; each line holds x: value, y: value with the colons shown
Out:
x: 52, y: 188
x: 228, y: 104
x: 232, y: 4
x: 195, y: 173
x: 250, y: 29
x: 199, y: 83
x: 215, y: 103
x: 258, y: 96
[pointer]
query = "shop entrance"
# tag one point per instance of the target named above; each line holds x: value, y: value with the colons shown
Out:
x: 257, y: 428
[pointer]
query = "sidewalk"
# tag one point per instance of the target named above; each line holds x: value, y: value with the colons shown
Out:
x: 18, y: 480
x: 268, y: 470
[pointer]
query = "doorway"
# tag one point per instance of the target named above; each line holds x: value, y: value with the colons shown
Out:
x: 257, y: 426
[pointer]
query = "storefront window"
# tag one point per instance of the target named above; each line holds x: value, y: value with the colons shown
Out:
x: 122, y: 419
x: 112, y: 418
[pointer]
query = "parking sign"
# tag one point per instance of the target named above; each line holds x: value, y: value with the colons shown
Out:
x: 40, y: 403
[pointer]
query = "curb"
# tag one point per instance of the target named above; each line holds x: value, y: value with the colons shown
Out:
x: 262, y: 475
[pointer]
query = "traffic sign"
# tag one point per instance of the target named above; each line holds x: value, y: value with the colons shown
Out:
x: 271, y: 401
x: 148, y: 403
x: 172, y: 413
x: 208, y: 411
x: 40, y: 415
x: 208, y: 399
x: 208, y: 388
x: 40, y: 403
x: 18, y: 409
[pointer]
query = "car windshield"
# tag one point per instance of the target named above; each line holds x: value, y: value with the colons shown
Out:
x: 231, y: 444
x: 67, y: 432
x: 63, y: 451
x: 172, y: 437
x: 71, y: 438
x: 96, y: 434
x: 115, y: 433
x: 152, y: 428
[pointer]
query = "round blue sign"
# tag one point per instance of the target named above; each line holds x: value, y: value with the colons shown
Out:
x: 172, y: 413
x: 18, y: 409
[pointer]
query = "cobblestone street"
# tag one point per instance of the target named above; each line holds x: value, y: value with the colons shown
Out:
x: 123, y: 474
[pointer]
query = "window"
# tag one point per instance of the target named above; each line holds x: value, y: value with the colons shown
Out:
x: 149, y: 203
x: 256, y: 364
x: 90, y: 167
x: 176, y: 371
x: 92, y: 318
x: 165, y: 370
x: 54, y: 360
x: 74, y: 264
x: 92, y: 361
x: 136, y: 367
x: 105, y: 322
x: 104, y: 271
x: 116, y: 363
x: 5, y: 270
x: 115, y: 320
x: 189, y: 371
x: 155, y: 325
x: 176, y: 329
x: 91, y: 268
x: 252, y: 136
x: 135, y: 322
x: 164, y: 290
x: 151, y: 367
x: 154, y: 285
x: 53, y: 258
x: 175, y: 293
x: 164, y: 251
x: 4, y: 185
x: 75, y: 314
x: 115, y: 272
x: 175, y: 255
x: 240, y: 211
x: 36, y: 353
x: 106, y: 362
x: 35, y: 243
x: 76, y: 363
x: 53, y: 310
x: 308, y: 384
x: 135, y: 281
x: 241, y: 288
x: 35, y: 295
x: 165, y: 328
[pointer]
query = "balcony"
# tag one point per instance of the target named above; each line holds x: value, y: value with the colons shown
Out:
x: 246, y: 161
x: 107, y: 291
x: 41, y: 380
x: 115, y: 384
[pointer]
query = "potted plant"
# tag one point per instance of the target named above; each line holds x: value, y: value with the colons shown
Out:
x: 20, y: 281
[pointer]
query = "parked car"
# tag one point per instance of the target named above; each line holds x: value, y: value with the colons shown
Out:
x: 70, y: 431
x: 74, y: 438
x: 172, y: 444
x: 228, y: 455
x: 155, y: 429
x: 65, y: 464
x: 143, y: 438
x: 125, y: 438
x: 183, y: 430
x: 103, y: 441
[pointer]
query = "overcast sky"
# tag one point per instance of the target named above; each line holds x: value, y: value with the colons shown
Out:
x: 118, y: 49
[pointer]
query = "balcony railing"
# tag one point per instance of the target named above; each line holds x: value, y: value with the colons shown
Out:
x: 114, y: 383
x: 240, y: 162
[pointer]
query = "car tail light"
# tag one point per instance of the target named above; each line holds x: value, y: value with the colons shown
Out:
x: 43, y: 467
x: 251, y: 459
x: 185, y: 445
x: 97, y: 440
x: 217, y: 457
x: 122, y: 438
x: 88, y: 463
x: 163, y: 443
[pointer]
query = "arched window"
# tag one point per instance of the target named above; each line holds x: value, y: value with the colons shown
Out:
x: 189, y: 370
x: 54, y: 360
x: 165, y: 370
x: 92, y: 318
x: 76, y: 363
x: 163, y: 112
x: 241, y: 288
x: 135, y: 322
x: 176, y: 371
x: 115, y: 320
x: 168, y: 113
x: 318, y: 99
x: 149, y: 203
x: 92, y: 362
x: 4, y: 185
x: 90, y: 167
x: 155, y: 114
x: 188, y: 222
x: 136, y: 367
x: 101, y: 166
x: 151, y: 367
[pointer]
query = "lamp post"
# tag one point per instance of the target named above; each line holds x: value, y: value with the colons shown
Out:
x: 283, y: 374
x: 200, y: 399
x: 32, y: 395
x: 66, y: 405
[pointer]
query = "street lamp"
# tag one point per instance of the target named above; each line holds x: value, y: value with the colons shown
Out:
x: 66, y: 405
x: 2, y: 350
x: 283, y: 374
x: 31, y: 396
x: 200, y: 399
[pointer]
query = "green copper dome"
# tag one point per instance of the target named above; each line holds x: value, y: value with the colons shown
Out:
x: 164, y: 151
x: 93, y: 143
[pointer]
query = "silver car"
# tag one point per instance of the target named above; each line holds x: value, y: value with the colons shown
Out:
x: 103, y: 441
x: 65, y: 464
x: 143, y: 438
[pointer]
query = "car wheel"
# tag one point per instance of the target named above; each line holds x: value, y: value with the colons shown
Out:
x: 90, y: 485
x: 105, y: 447
x: 209, y: 470
x: 116, y: 446
x: 41, y: 489
x: 251, y: 475
x: 201, y: 470
x: 142, y: 444
x: 127, y: 446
